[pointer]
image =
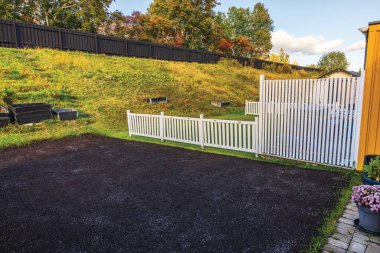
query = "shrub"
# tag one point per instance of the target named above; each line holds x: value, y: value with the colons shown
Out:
x: 229, y: 62
x: 8, y: 95
x: 302, y: 73
x: 373, y: 169
x: 367, y: 196
x: 285, y: 68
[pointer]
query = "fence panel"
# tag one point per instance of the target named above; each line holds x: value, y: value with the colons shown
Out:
x: 252, y: 108
x: 226, y: 134
x: 313, y: 120
x: 111, y: 46
x: 19, y: 34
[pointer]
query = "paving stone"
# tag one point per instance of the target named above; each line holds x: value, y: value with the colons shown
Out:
x: 338, y: 243
x: 345, y: 231
x: 346, y: 221
x: 373, y: 248
x: 359, y: 237
x: 375, y: 239
x: 331, y: 248
x: 357, y: 247
x: 350, y: 228
x: 341, y: 237
x: 350, y: 216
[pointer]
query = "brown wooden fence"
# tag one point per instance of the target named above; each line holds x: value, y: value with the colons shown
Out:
x: 25, y: 35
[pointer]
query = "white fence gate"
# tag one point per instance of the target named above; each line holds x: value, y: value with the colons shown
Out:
x: 315, y: 120
x: 227, y: 134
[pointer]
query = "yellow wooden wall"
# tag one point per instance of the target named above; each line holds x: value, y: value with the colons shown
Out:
x: 369, y: 143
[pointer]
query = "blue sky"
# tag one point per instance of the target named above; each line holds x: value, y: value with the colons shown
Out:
x: 305, y: 29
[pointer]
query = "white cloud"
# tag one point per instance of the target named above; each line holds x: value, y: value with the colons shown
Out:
x: 306, y: 45
x: 356, y: 46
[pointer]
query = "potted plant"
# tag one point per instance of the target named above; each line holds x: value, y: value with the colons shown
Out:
x: 367, y: 199
x: 371, y: 170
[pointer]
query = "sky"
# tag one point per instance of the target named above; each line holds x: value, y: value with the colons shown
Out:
x: 305, y: 29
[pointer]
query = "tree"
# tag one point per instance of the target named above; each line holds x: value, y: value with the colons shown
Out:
x: 281, y: 57
x: 262, y: 26
x: 85, y: 15
x: 240, y: 21
x: 333, y: 60
x: 195, y: 19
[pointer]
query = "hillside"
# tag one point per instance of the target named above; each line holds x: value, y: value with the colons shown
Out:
x: 104, y: 87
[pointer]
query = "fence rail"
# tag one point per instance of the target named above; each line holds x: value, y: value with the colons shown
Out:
x: 23, y: 35
x: 226, y: 134
x: 252, y: 108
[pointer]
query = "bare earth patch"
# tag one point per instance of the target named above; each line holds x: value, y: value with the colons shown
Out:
x: 98, y: 194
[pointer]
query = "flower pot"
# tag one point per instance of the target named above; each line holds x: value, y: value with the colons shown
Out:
x: 366, y: 180
x: 369, y: 220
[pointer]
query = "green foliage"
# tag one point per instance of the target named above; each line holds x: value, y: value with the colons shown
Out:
x: 194, y: 18
x: 240, y: 20
x: 281, y: 57
x: 333, y: 60
x: 84, y: 15
x: 373, y: 169
x: 262, y: 26
x: 229, y: 63
x: 285, y: 68
x: 7, y: 95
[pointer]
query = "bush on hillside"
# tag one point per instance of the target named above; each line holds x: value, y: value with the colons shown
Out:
x: 285, y: 68
x: 225, y: 62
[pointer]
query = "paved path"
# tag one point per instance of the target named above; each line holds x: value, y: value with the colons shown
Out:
x: 349, y: 239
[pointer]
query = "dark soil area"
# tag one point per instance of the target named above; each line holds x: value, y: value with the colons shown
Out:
x: 97, y: 194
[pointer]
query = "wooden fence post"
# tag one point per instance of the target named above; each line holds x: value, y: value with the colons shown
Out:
x: 96, y: 44
x: 201, y: 131
x: 150, y: 50
x: 129, y: 122
x: 15, y: 33
x: 60, y: 38
x: 126, y: 47
x: 162, y: 126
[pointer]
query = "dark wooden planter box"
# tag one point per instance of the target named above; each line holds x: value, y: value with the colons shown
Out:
x: 30, y: 113
x: 221, y: 104
x: 30, y: 120
x: 4, y: 121
x: 66, y: 114
x: 157, y: 100
x: 33, y: 107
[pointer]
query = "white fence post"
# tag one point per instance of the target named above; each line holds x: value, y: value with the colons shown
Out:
x: 162, y: 126
x: 260, y: 117
x: 358, y: 119
x: 201, y: 131
x: 129, y: 123
x: 246, y: 107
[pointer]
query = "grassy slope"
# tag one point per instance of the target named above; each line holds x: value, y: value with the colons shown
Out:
x: 103, y: 88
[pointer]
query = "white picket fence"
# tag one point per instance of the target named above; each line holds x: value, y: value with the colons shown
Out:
x: 226, y: 134
x: 252, y: 108
x: 314, y: 120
